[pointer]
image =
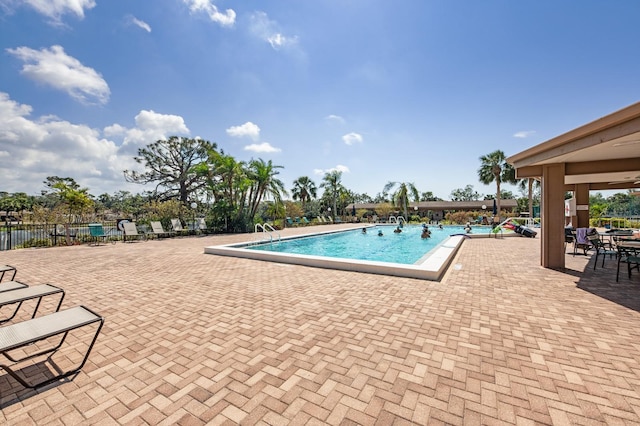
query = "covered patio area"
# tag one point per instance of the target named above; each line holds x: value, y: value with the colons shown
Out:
x: 601, y: 155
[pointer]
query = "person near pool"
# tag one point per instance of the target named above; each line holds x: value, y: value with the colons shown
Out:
x: 426, y: 233
x: 397, y: 230
x: 364, y: 230
x: 467, y: 228
x: 380, y: 234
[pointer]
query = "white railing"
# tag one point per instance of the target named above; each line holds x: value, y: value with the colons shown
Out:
x: 265, y: 227
x: 397, y: 219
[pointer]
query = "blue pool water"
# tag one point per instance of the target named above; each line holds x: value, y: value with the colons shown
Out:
x: 405, y: 248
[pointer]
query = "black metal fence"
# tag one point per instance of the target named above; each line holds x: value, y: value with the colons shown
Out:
x: 14, y: 236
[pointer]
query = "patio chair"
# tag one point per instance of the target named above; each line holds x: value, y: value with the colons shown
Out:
x: 602, y: 249
x: 569, y: 237
x: 62, y: 233
x: 582, y: 241
x: 202, y: 226
x: 7, y: 268
x: 18, y: 296
x: 97, y: 233
x: 21, y: 336
x: 158, y: 230
x: 178, y: 228
x: 630, y: 256
x: 131, y: 231
x: 11, y: 285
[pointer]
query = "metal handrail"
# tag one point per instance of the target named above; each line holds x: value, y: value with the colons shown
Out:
x: 265, y: 227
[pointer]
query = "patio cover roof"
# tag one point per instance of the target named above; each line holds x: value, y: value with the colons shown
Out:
x: 605, y: 154
x: 601, y: 155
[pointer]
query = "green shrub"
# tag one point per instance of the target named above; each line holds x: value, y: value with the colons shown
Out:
x: 36, y: 242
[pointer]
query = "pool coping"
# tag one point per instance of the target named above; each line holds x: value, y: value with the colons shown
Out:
x: 432, y: 268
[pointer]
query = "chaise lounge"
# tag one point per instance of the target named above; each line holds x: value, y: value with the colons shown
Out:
x: 177, y: 227
x: 158, y: 230
x: 18, y: 296
x: 130, y: 230
x: 7, y: 268
x: 23, y: 337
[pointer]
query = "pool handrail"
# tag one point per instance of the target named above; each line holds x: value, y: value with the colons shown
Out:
x: 265, y: 227
x: 397, y: 219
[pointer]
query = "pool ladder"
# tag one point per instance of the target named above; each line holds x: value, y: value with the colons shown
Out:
x: 397, y: 219
x: 265, y: 227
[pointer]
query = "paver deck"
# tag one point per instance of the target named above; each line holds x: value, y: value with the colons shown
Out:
x: 193, y: 339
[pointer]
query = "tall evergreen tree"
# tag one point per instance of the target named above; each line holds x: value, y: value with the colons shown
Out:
x: 170, y: 165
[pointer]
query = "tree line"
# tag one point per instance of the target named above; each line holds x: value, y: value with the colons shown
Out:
x: 192, y: 176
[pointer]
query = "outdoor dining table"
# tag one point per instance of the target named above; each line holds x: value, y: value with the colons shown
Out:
x: 629, y: 246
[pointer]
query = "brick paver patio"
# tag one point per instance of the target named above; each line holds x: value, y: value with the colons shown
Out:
x: 197, y: 339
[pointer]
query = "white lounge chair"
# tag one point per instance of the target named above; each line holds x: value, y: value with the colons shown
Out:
x: 7, y: 268
x: 131, y: 231
x: 11, y: 285
x: 158, y: 230
x: 177, y: 226
x: 202, y: 225
x: 23, y: 334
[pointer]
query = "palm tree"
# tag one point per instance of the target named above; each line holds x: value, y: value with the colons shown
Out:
x: 228, y: 182
x: 529, y: 183
x: 263, y: 184
x: 403, y: 193
x: 304, y: 189
x: 331, y: 182
x: 494, y: 168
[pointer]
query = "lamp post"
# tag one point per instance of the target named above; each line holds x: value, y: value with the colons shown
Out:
x: 194, y: 205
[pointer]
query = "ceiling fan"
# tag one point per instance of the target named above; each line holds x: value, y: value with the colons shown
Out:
x: 636, y: 181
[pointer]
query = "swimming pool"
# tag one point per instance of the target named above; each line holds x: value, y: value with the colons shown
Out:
x: 405, y: 247
x: 431, y: 265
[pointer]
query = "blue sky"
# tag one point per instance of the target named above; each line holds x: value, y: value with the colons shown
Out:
x: 408, y: 91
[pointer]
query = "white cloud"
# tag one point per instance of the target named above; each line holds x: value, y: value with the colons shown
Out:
x: 339, y: 168
x: 225, y: 19
x: 247, y: 129
x: 265, y: 29
x: 261, y: 147
x: 150, y: 127
x: 34, y: 148
x: 524, y: 134
x: 352, y: 138
x: 332, y: 118
x: 141, y: 24
x: 54, y: 68
x: 54, y: 9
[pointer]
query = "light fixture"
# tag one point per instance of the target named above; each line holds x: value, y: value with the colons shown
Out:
x: 625, y: 143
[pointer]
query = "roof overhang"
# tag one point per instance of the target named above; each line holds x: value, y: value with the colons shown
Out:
x: 604, y: 153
